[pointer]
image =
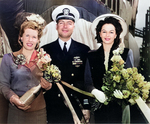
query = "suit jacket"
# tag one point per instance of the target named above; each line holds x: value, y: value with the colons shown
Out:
x: 71, y: 65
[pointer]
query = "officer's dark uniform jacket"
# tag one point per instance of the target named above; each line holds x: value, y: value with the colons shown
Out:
x: 72, y: 66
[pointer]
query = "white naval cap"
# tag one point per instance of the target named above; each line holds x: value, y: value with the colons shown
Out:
x: 65, y: 12
x: 102, y: 17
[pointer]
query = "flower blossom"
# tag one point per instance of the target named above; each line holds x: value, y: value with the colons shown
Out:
x: 36, y: 18
x: 116, y: 78
x: 43, y: 60
x: 116, y: 58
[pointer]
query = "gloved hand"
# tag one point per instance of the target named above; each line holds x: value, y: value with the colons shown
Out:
x: 118, y: 94
x: 100, y: 96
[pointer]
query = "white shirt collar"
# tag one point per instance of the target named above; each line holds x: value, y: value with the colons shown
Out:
x: 61, y: 43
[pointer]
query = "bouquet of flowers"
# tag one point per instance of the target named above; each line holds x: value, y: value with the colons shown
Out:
x: 128, y: 83
x: 51, y: 72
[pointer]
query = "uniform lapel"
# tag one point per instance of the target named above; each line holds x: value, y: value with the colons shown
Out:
x: 73, y: 47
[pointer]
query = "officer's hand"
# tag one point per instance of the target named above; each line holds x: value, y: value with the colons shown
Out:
x: 14, y: 100
x: 100, y: 96
x: 86, y: 114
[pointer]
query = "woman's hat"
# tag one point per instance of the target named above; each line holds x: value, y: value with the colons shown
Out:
x: 102, y: 17
x: 65, y: 12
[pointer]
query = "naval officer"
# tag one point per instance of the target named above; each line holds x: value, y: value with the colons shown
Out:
x: 70, y: 56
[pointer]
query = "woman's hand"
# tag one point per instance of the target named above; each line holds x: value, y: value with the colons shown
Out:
x: 100, y: 96
x: 118, y: 94
x: 14, y: 100
x: 45, y: 84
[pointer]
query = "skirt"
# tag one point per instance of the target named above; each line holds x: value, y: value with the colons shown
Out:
x: 17, y: 116
x: 3, y: 109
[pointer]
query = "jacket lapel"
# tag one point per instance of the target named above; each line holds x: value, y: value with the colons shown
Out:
x: 73, y: 47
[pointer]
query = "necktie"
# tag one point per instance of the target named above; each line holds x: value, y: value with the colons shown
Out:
x: 65, y: 48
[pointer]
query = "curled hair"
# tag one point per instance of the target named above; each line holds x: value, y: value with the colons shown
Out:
x: 26, y: 20
x: 115, y: 23
x: 31, y: 25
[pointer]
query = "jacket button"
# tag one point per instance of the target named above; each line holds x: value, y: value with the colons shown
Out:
x: 72, y: 74
x: 58, y: 95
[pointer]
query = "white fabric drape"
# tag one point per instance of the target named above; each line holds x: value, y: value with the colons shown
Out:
x: 83, y: 34
x: 5, y: 47
x: 4, y: 40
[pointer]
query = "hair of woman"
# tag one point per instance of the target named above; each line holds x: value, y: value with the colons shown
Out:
x: 115, y: 23
x: 34, y: 22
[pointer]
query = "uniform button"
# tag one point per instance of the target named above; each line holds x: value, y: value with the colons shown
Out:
x: 72, y: 84
x: 72, y: 74
x: 71, y: 95
x: 58, y: 95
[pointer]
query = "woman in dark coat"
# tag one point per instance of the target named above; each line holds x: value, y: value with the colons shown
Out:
x: 109, y: 31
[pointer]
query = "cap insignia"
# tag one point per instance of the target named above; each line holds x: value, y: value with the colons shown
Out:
x: 66, y: 11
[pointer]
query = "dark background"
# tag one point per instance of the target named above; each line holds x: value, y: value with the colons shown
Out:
x: 88, y: 9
